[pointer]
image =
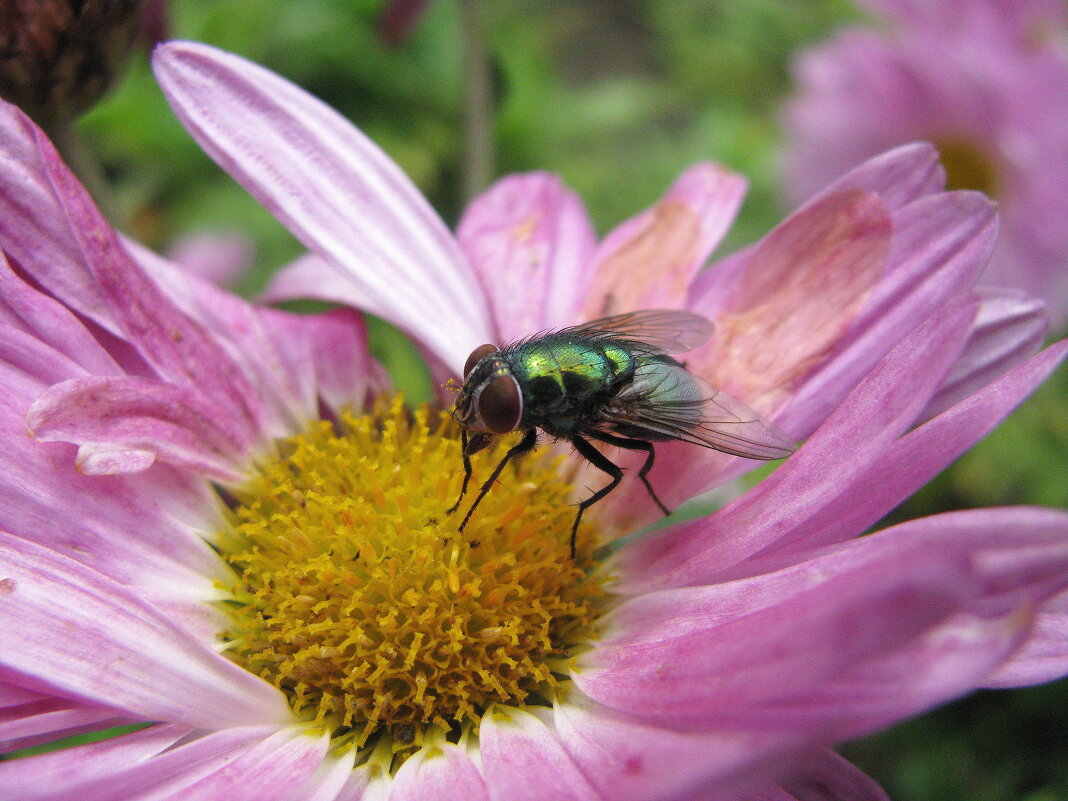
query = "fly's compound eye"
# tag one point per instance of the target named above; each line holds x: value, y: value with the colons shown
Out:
x: 477, y: 355
x: 500, y: 405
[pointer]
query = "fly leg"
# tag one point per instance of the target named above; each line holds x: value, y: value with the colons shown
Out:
x: 524, y: 446
x: 635, y: 445
x: 601, y: 462
x: 467, y: 473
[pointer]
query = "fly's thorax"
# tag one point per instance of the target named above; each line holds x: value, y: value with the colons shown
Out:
x: 560, y: 371
x: 563, y: 378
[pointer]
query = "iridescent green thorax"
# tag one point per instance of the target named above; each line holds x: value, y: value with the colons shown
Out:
x: 564, y: 378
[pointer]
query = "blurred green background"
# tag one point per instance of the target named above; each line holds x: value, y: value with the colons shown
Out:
x: 618, y: 98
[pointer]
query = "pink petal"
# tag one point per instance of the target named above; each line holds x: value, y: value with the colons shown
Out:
x: 825, y: 776
x: 61, y: 773
x: 44, y: 719
x: 531, y: 244
x: 808, y: 281
x: 523, y: 761
x: 270, y: 346
x: 127, y: 531
x: 939, y: 246
x: 219, y: 257
x: 776, y: 322
x: 313, y: 277
x: 333, y: 188
x: 899, y: 176
x: 28, y: 366
x: 126, y: 656
x: 247, y: 762
x: 854, y: 437
x: 1009, y: 328
x: 345, y: 374
x: 439, y: 772
x: 650, y: 261
x: 1044, y: 656
x: 175, y: 346
x: 280, y: 767
x: 330, y: 778
x: 37, y: 233
x: 23, y: 307
x: 921, y: 454
x: 59, y: 237
x: 630, y: 759
x: 850, y: 639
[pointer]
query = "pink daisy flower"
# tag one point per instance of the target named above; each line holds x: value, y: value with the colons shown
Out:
x: 208, y: 529
x: 987, y: 83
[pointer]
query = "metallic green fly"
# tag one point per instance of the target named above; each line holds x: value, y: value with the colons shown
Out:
x: 609, y: 380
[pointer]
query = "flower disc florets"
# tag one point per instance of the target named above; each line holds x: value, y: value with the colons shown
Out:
x: 358, y: 598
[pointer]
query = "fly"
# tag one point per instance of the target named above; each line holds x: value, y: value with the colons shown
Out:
x: 612, y: 381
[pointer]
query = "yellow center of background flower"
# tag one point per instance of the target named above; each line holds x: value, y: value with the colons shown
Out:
x: 968, y: 165
x: 359, y: 600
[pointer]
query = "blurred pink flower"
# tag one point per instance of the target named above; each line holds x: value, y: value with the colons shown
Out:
x: 734, y: 650
x: 987, y: 83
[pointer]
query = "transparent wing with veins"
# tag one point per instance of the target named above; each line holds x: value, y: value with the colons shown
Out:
x: 659, y: 330
x: 666, y: 401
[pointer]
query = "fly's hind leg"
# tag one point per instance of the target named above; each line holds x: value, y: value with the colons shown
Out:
x: 601, y: 462
x: 636, y: 445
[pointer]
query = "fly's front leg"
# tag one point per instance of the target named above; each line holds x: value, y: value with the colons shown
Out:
x: 467, y: 472
x: 524, y: 446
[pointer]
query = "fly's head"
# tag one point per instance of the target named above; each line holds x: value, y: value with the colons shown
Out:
x: 490, y: 401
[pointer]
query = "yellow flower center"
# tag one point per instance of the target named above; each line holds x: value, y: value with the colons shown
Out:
x: 968, y: 165
x: 358, y: 598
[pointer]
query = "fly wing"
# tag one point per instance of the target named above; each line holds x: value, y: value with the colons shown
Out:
x: 665, y: 401
x: 659, y: 330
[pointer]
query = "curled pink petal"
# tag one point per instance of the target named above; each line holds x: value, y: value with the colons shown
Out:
x: 126, y: 530
x: 138, y: 416
x: 175, y: 346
